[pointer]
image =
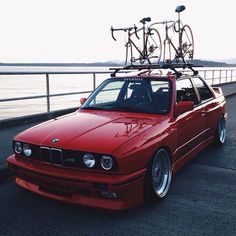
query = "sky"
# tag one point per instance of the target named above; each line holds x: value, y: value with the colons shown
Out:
x: 79, y: 31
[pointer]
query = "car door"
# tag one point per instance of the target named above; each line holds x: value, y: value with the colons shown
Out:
x: 209, y: 105
x: 191, y: 125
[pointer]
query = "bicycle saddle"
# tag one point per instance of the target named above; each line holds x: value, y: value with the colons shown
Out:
x: 180, y: 8
x: 146, y: 19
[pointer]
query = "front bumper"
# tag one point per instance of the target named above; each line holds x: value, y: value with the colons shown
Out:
x: 79, y: 187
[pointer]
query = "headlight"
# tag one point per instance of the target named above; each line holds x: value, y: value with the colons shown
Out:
x: 89, y: 160
x: 106, y: 162
x: 17, y: 147
x: 27, y: 150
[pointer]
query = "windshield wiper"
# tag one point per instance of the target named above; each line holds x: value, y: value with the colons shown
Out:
x: 130, y: 109
x: 127, y: 109
x: 95, y: 108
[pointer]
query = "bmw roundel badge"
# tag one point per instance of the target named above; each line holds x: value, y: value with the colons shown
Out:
x: 55, y: 140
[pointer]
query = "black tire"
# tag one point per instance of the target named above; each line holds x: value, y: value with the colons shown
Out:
x: 154, y: 46
x: 158, y: 177
x: 187, y: 46
x: 220, y: 131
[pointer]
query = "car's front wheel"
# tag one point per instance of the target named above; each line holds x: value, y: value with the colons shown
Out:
x: 159, y: 175
x: 221, y: 131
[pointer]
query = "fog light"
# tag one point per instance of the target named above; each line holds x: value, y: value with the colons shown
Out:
x: 108, y: 194
x: 106, y: 162
x: 17, y: 147
x: 27, y: 150
x: 89, y: 160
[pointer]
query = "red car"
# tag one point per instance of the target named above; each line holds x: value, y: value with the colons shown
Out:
x: 124, y: 143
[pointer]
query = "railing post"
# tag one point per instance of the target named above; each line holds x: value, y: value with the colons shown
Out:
x: 48, y: 92
x: 213, y: 75
x: 205, y: 74
x: 231, y: 75
x: 220, y: 78
x: 226, y: 76
x: 94, y: 81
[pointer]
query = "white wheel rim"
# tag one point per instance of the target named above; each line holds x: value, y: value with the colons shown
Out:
x: 161, y: 173
x: 222, y: 130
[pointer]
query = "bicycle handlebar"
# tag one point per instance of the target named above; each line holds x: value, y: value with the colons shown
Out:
x: 125, y: 30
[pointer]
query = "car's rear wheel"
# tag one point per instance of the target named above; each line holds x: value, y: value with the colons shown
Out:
x: 221, y: 131
x: 159, y: 175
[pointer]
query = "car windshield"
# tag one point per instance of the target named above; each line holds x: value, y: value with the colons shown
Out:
x: 134, y: 94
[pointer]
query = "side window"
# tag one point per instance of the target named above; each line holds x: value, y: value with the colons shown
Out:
x: 185, y: 91
x: 204, y: 92
x: 159, y: 86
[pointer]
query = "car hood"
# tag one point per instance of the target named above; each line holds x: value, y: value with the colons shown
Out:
x: 91, y: 131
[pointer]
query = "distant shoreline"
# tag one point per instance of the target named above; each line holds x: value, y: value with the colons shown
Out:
x: 108, y: 64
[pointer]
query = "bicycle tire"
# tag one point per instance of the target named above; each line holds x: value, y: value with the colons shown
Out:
x: 154, y: 46
x: 187, y: 46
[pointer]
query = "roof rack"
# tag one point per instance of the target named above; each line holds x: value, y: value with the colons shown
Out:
x: 172, y: 66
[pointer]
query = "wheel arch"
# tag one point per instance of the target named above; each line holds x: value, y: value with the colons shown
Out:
x: 167, y: 149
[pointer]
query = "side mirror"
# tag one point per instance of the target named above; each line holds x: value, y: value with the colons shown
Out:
x: 83, y: 100
x: 184, y: 106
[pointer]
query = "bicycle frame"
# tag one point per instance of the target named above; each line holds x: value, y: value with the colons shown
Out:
x: 182, y: 50
x: 143, y: 51
x: 129, y: 42
x: 167, y: 40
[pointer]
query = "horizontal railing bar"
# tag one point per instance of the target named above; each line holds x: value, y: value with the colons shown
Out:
x: 73, y: 93
x: 22, y: 98
x: 85, y: 72
x: 55, y: 72
x: 49, y: 72
x: 43, y: 96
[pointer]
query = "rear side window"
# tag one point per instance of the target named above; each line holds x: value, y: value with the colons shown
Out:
x: 185, y: 91
x: 204, y: 92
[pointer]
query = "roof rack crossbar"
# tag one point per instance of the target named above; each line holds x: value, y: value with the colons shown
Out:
x: 171, y: 66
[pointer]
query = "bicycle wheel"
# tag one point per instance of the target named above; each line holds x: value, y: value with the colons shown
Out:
x: 154, y: 46
x: 187, y: 46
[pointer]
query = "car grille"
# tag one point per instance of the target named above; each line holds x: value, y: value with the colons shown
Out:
x: 51, y: 155
x: 57, y: 156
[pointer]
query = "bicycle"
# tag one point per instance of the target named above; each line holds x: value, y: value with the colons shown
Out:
x: 151, y: 49
x: 185, y: 49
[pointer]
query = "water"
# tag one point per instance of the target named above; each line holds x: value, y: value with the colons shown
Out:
x: 16, y: 86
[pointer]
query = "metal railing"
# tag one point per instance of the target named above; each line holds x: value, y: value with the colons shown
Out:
x: 212, y: 75
x: 218, y: 76
x: 47, y: 74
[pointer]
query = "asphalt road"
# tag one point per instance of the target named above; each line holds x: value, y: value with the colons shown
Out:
x: 201, y: 201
